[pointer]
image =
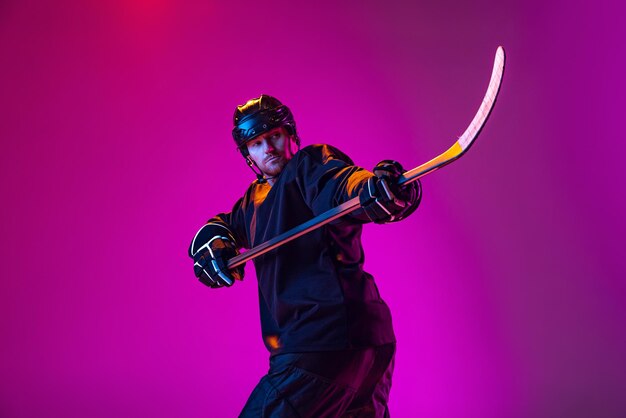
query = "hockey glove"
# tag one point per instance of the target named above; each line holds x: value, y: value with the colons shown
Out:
x: 211, y: 249
x: 383, y: 200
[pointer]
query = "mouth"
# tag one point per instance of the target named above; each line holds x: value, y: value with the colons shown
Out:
x: 272, y: 159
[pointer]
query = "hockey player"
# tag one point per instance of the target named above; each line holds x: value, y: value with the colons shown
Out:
x: 328, y: 331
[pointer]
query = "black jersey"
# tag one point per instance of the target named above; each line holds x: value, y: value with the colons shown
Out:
x: 313, y: 292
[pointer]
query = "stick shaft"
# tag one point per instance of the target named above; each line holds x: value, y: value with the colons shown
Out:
x: 339, y: 211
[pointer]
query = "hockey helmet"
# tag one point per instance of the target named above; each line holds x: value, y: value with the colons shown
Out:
x: 258, y: 116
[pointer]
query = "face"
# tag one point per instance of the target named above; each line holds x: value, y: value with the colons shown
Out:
x: 271, y: 151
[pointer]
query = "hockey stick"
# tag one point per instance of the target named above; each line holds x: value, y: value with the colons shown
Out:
x: 454, y: 152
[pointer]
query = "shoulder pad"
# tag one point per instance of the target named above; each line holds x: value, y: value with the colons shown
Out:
x: 325, y: 152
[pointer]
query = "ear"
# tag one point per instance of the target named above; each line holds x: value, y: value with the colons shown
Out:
x: 294, y: 140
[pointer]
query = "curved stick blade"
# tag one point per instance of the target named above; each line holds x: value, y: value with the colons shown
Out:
x: 467, y: 139
x: 471, y: 133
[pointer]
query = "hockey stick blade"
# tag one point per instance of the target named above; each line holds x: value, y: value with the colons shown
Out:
x: 468, y: 138
x: 459, y: 148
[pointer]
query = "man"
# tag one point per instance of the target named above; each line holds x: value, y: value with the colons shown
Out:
x: 329, y: 333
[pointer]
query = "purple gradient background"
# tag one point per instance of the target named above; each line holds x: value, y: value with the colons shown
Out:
x: 507, y: 286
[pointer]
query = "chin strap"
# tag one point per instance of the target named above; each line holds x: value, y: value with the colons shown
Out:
x: 256, y: 170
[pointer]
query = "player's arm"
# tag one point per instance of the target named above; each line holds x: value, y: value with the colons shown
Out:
x: 331, y: 179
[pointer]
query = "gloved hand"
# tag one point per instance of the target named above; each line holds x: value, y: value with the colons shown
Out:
x: 383, y: 200
x: 211, y: 249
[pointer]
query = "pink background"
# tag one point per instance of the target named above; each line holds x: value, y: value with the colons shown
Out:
x: 507, y: 286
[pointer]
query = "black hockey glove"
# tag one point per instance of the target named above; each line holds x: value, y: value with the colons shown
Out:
x: 383, y: 200
x: 211, y: 249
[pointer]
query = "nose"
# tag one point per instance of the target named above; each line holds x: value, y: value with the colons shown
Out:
x: 269, y: 147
